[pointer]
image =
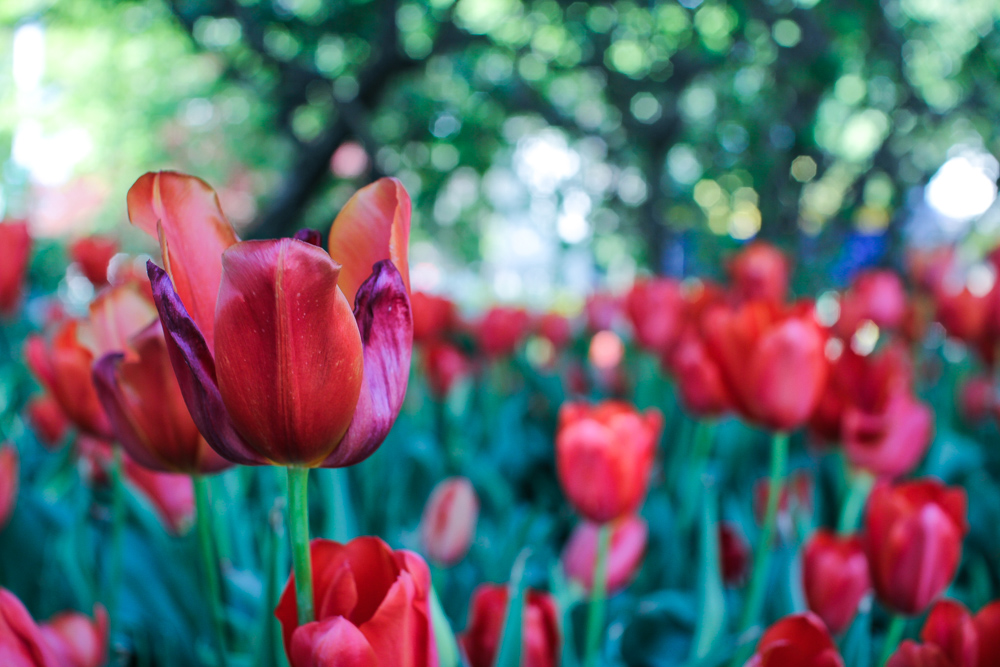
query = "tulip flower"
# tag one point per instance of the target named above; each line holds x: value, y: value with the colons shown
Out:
x: 625, y: 554
x: 372, y: 608
x: 604, y: 454
x: 913, y: 540
x: 47, y: 419
x: 15, y: 254
x: 501, y: 330
x: 449, y: 521
x: 10, y: 471
x: 93, y: 255
x: 771, y: 358
x: 655, y: 307
x: 540, y: 636
x: 444, y: 364
x: 172, y: 495
x: 734, y: 554
x: 876, y: 296
x: 835, y: 578
x: 433, y: 317
x: 700, y: 383
x: 800, y: 640
x: 759, y: 271
x: 555, y: 328
x: 912, y: 654
x: 77, y: 640
x: 977, y: 398
x: 951, y: 628
x: 22, y: 643
x: 602, y: 311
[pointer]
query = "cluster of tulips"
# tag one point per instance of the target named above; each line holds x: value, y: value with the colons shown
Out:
x: 296, y: 354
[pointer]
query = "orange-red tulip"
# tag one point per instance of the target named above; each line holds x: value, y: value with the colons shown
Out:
x: 800, y: 640
x: 93, y: 254
x: 627, y: 549
x: 540, y: 636
x: 433, y: 317
x: 273, y: 363
x: 372, y: 608
x: 604, y: 454
x: 15, y: 253
x: 655, y: 307
x: 912, y: 654
x: 759, y: 271
x: 10, y: 471
x: 444, y: 364
x: 78, y: 640
x: 47, y: 419
x: 835, y: 577
x: 449, y: 521
x: 913, y: 539
x: 501, y: 330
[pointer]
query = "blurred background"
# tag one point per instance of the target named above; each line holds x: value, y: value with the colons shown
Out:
x: 550, y: 146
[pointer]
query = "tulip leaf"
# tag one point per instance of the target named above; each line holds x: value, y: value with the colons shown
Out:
x: 509, y: 654
x: 856, y: 644
x: 711, y: 597
x: 443, y: 634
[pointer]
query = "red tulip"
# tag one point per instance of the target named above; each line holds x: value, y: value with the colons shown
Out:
x: 604, y: 454
x: 655, y: 307
x: 987, y: 623
x: 627, y: 549
x: 15, y: 253
x: 172, y: 495
x: 759, y: 271
x: 555, y: 328
x: 912, y: 654
x: 771, y: 358
x: 951, y: 628
x: 835, y: 577
x: 93, y: 254
x: 501, y: 331
x: 22, y: 643
x: 734, y: 554
x: 965, y: 316
x: 433, y: 317
x: 540, y: 636
x: 800, y: 640
x: 444, y: 364
x: 146, y: 408
x: 700, y: 383
x: 77, y: 640
x: 913, y: 540
x: 877, y: 296
x: 449, y: 520
x: 273, y: 364
x: 602, y: 310
x: 10, y: 470
x: 977, y: 398
x: 47, y: 419
x: 372, y: 608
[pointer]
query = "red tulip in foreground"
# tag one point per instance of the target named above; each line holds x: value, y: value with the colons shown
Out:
x: 835, y: 578
x: 604, y: 454
x: 372, y: 608
x: 966, y: 640
x: 449, y: 521
x: 912, y: 654
x: 273, y: 364
x: 47, y: 419
x: 627, y: 549
x: 15, y: 254
x: 540, y: 635
x: 10, y: 471
x: 913, y: 540
x: 759, y: 272
x: 69, y: 639
x: 655, y: 307
x: 93, y: 254
x: 800, y: 640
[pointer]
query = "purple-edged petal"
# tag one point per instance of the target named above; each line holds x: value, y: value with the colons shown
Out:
x: 382, y: 310
x: 111, y: 398
x: 310, y: 236
x: 194, y: 367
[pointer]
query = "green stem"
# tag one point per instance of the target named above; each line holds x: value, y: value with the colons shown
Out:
x: 114, y: 581
x: 203, y: 516
x: 892, y: 636
x: 762, y: 555
x: 854, y: 505
x: 595, y: 616
x: 704, y: 438
x: 298, y: 528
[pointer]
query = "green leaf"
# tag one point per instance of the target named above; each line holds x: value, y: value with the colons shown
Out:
x: 509, y: 654
x: 443, y: 634
x: 711, y: 597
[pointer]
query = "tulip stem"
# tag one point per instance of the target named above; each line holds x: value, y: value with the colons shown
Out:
x: 114, y: 581
x: 892, y: 636
x: 762, y: 555
x: 595, y: 616
x: 854, y: 504
x: 298, y: 529
x: 206, y: 546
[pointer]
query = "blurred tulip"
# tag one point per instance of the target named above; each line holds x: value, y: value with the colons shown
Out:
x: 734, y: 554
x: 796, y: 497
x: 93, y: 254
x: 47, y: 419
x: 172, y: 495
x: 655, y: 307
x: 759, y: 271
x: 77, y: 640
x: 987, y: 622
x: 928, y: 267
x: 877, y: 296
x: 913, y: 540
x: 800, y: 640
x: 602, y: 311
x: 449, y: 521
x: 15, y: 254
x: 433, y: 317
x: 261, y: 332
x: 555, y: 328
x: 372, y: 608
x: 627, y: 549
x: 912, y: 654
x: 950, y: 627
x: 22, y: 643
x: 977, y: 398
x: 604, y: 455
x: 772, y: 360
x: 444, y: 364
x: 964, y: 315
x: 143, y: 401
x: 540, y: 636
x: 835, y: 577
x: 699, y: 380
x: 501, y: 331
x: 10, y: 471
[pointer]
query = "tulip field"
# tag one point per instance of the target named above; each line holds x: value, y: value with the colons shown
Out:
x: 276, y: 452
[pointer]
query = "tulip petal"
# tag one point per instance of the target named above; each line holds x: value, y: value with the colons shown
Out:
x: 333, y: 641
x: 183, y: 212
x: 373, y: 226
x: 309, y: 236
x: 382, y: 311
x: 19, y: 632
x: 194, y: 367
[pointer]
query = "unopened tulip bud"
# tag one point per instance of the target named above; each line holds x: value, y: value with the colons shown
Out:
x: 449, y: 521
